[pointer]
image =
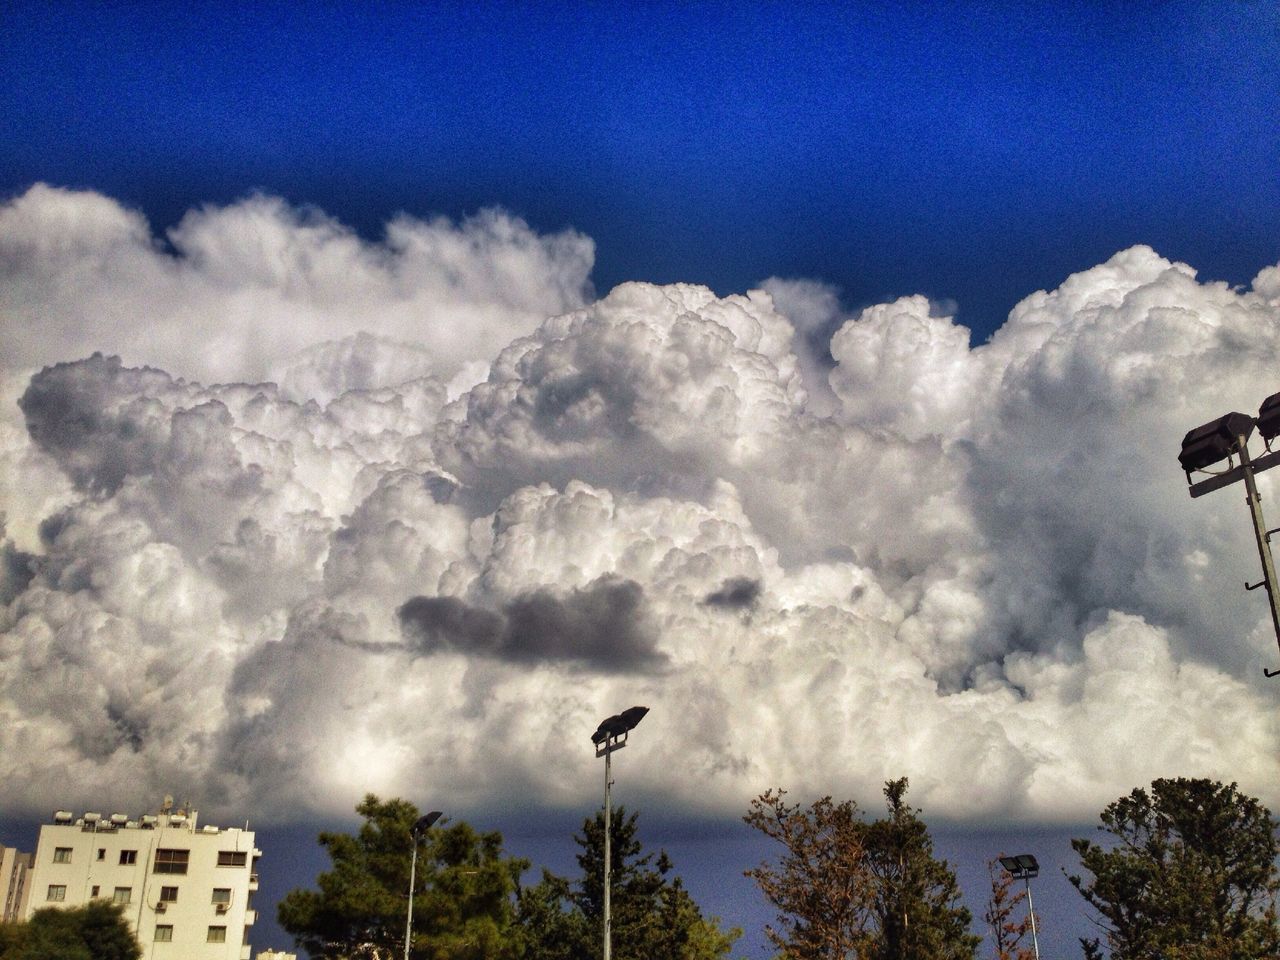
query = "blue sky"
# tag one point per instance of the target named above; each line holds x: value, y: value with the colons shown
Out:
x: 1036, y: 601
x: 967, y: 151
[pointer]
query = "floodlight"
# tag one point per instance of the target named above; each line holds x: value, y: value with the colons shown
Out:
x: 618, y: 724
x: 424, y: 822
x: 1214, y: 441
x: 1269, y: 418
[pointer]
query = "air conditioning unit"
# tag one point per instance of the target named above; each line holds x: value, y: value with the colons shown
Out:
x: 223, y: 907
x: 161, y: 907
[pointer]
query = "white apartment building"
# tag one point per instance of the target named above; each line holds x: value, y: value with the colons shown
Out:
x: 185, y: 889
x: 15, y: 872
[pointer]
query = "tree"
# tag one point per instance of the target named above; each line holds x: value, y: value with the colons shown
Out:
x: 1006, y: 917
x: 822, y: 886
x: 1188, y: 873
x: 464, y: 900
x: 653, y: 917
x: 95, y: 931
x: 846, y: 888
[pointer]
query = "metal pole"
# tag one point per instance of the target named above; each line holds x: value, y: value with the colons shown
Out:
x: 608, y: 827
x: 413, y: 869
x: 1031, y: 909
x: 1264, y: 538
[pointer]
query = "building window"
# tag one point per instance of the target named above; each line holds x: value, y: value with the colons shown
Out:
x: 62, y: 855
x: 217, y: 935
x: 164, y: 933
x: 102, y: 853
x: 231, y: 858
x: 57, y: 891
x: 221, y: 895
x: 168, y: 894
x: 122, y: 895
x: 171, y: 861
x: 128, y: 857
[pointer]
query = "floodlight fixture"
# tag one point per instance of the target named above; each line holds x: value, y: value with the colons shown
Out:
x: 1023, y: 867
x: 1269, y: 418
x: 617, y: 726
x: 425, y: 821
x: 420, y: 826
x: 1215, y: 441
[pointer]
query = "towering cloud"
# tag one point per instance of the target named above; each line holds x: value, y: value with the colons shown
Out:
x: 977, y: 566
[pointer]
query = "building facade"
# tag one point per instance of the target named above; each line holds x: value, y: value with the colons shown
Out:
x: 186, y: 890
x: 15, y: 886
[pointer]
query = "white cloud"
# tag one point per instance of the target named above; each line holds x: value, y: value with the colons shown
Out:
x: 981, y: 569
x: 235, y: 293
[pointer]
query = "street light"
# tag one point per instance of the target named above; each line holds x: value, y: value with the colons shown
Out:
x: 1224, y: 439
x: 1023, y: 867
x: 611, y: 735
x: 415, y: 833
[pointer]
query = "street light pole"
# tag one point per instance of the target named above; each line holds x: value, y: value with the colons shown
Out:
x: 415, y: 833
x: 608, y: 856
x: 1263, y: 536
x: 611, y: 735
x: 1031, y: 909
x: 1223, y: 439
x: 1023, y: 867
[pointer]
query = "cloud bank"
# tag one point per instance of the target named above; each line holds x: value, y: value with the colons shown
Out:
x: 976, y: 566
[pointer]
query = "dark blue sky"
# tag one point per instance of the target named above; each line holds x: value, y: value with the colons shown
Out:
x: 968, y: 151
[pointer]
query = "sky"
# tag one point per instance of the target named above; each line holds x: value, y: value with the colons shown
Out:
x: 388, y: 395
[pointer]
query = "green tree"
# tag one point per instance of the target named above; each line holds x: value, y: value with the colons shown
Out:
x: 1007, y: 916
x: 847, y: 889
x: 653, y: 917
x: 95, y: 931
x: 1188, y: 872
x: 464, y: 900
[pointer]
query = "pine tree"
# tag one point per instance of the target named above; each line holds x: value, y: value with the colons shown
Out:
x: 653, y: 916
x: 464, y: 904
x: 850, y: 890
x: 1188, y: 873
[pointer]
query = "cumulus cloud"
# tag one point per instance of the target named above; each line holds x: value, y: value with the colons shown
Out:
x: 974, y: 565
x: 251, y: 291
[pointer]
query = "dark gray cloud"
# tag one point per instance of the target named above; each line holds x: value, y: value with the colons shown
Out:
x: 601, y: 626
x: 736, y: 593
x: 97, y: 419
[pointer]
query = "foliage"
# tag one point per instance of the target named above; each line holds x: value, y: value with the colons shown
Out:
x: 846, y: 888
x: 652, y: 914
x: 463, y: 906
x: 1006, y: 917
x: 821, y: 887
x: 1188, y: 873
x: 95, y: 931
